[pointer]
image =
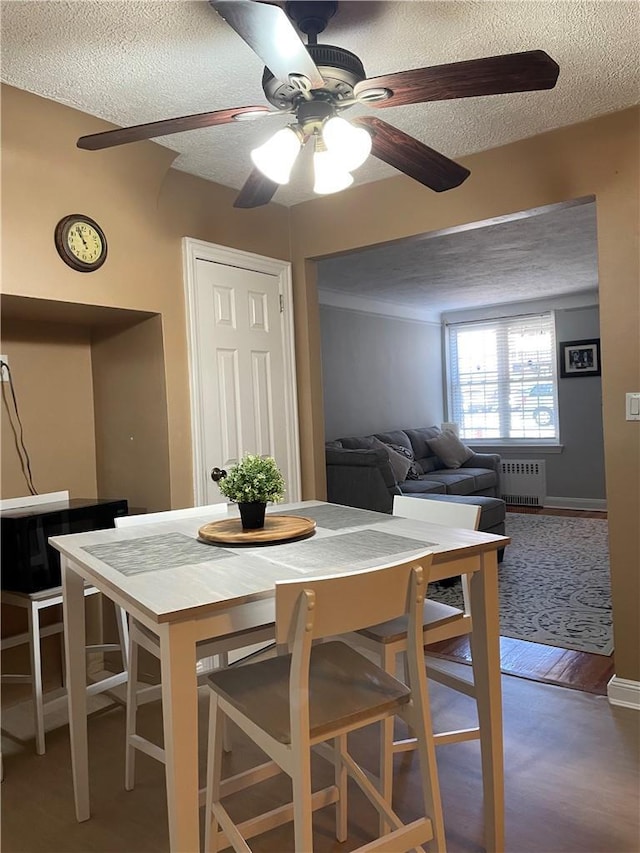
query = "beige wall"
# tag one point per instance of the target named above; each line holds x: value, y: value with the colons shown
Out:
x: 145, y: 208
x: 130, y: 403
x: 51, y: 371
x: 597, y: 158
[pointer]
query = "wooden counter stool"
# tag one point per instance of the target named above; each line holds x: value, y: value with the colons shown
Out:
x: 320, y: 692
x: 249, y: 624
x: 439, y: 622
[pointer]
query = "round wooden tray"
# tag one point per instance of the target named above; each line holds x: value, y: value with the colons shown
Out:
x: 277, y: 528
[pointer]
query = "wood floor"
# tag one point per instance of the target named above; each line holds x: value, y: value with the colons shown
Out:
x: 579, y: 670
x: 570, y: 771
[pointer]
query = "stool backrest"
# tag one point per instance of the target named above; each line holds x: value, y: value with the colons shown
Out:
x: 212, y: 511
x: 339, y: 604
x: 447, y: 513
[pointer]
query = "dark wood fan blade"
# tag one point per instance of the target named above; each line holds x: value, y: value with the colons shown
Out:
x: 412, y: 157
x: 257, y: 190
x: 270, y: 34
x: 494, y: 75
x: 163, y: 128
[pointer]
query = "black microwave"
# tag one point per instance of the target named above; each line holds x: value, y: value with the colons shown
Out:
x: 29, y: 563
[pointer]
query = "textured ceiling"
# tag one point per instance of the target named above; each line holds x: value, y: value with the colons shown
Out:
x: 548, y: 254
x: 134, y: 62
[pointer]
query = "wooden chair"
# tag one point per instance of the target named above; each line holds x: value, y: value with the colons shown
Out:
x: 34, y: 603
x: 439, y: 622
x: 252, y: 624
x: 320, y: 692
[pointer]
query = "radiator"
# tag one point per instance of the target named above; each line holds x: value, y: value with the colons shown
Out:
x: 523, y: 481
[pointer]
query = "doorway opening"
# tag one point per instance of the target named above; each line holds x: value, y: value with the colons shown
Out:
x: 382, y: 311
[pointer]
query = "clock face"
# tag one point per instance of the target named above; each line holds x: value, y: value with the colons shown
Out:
x: 81, y: 242
x: 84, y: 242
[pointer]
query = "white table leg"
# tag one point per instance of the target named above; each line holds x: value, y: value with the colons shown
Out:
x: 74, y: 643
x: 180, y: 716
x: 485, y: 650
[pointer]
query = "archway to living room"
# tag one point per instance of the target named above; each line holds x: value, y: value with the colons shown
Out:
x: 384, y: 358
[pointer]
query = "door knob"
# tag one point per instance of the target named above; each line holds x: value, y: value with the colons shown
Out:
x: 218, y: 474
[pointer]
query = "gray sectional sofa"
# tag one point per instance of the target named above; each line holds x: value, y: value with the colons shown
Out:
x: 360, y: 474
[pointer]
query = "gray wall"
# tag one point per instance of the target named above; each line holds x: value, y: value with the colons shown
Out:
x: 379, y: 373
x: 579, y: 470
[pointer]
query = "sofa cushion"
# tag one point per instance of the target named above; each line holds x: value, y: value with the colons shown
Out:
x: 429, y: 463
x: 485, y: 480
x: 455, y: 481
x: 448, y: 447
x: 492, y: 510
x: 424, y: 456
x: 422, y: 486
x: 357, y: 442
x: 396, y: 436
x: 399, y: 463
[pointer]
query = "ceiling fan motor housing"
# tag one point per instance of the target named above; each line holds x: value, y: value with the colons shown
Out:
x: 340, y: 70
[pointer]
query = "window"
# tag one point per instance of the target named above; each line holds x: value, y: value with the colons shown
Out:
x: 502, y: 379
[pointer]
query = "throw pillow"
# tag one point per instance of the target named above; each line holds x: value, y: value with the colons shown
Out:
x: 399, y: 463
x: 414, y: 471
x: 448, y: 447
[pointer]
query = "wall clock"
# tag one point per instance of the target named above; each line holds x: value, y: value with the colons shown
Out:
x: 81, y: 242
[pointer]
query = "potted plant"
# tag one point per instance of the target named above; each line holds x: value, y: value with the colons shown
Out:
x: 251, y: 483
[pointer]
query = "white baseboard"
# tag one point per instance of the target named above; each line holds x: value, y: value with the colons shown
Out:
x: 623, y: 692
x: 594, y: 504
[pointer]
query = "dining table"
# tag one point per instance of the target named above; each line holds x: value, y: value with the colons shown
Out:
x: 186, y: 590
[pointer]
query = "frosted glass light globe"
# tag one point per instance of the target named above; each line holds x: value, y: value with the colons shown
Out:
x: 330, y: 176
x: 351, y: 145
x: 276, y: 157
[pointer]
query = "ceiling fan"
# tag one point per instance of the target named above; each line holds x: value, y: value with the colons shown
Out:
x: 317, y: 82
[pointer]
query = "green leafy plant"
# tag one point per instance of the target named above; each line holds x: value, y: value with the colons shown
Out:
x: 254, y: 478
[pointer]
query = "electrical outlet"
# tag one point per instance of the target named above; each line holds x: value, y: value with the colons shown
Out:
x: 5, y: 373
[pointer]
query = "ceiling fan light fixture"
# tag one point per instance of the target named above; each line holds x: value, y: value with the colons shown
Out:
x: 315, y: 82
x: 275, y: 158
x: 329, y: 173
x: 348, y: 144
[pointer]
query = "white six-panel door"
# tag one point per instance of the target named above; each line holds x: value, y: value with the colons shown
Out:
x: 241, y: 363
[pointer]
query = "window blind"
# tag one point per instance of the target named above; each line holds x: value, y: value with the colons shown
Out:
x: 501, y: 378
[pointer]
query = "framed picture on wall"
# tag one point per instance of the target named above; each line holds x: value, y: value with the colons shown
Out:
x: 580, y: 358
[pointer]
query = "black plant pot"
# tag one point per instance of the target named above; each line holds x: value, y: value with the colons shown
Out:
x: 252, y: 514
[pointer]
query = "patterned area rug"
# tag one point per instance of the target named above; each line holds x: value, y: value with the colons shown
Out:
x: 554, y: 583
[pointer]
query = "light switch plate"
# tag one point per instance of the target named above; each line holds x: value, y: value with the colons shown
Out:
x: 633, y: 406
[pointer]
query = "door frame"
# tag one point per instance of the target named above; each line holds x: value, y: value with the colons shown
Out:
x: 192, y: 251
